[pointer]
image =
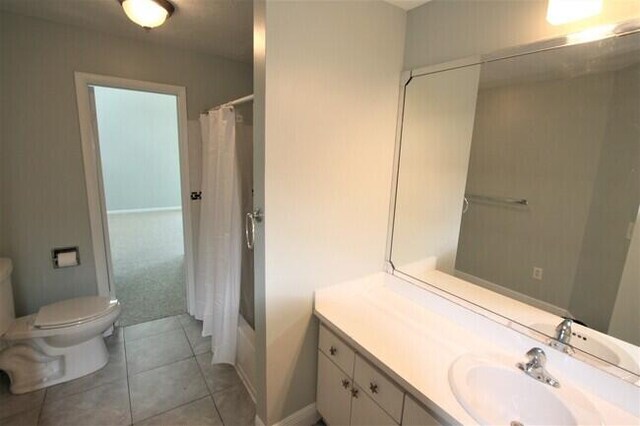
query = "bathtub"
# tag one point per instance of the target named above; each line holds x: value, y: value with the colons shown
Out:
x: 246, y: 355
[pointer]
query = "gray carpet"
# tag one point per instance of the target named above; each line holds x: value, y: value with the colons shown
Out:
x: 148, y: 262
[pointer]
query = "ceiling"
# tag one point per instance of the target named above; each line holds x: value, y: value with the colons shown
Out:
x: 221, y: 27
x: 407, y: 4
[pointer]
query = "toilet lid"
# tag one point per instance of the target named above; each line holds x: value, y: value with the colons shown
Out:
x: 72, y: 311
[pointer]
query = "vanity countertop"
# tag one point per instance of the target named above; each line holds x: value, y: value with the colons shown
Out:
x: 414, y: 336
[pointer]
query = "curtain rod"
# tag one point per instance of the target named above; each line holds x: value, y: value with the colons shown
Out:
x: 238, y: 101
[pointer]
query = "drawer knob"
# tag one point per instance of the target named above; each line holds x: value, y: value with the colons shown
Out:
x: 354, y: 393
x: 373, y: 387
x: 345, y: 383
x: 333, y: 350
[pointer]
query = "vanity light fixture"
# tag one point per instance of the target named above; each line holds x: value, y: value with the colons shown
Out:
x: 147, y: 13
x: 591, y: 34
x: 564, y: 11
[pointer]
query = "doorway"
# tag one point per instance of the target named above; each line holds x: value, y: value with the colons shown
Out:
x: 137, y: 163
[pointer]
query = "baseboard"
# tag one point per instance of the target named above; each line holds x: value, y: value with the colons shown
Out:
x: 306, y: 416
x: 246, y: 382
x: 149, y: 210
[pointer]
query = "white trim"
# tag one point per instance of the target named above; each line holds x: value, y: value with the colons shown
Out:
x: 246, y: 382
x: 303, y: 417
x: 246, y: 356
x: 458, y: 63
x: 405, y: 78
x: 95, y: 193
x: 149, y: 210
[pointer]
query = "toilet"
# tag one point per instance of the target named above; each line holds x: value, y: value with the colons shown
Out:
x: 62, y: 342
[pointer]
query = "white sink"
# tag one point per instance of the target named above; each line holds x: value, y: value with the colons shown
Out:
x: 495, y: 392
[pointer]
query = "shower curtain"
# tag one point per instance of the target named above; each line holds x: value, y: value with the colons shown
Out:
x: 218, y: 266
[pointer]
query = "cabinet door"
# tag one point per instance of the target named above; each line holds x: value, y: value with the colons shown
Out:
x: 333, y: 399
x: 365, y: 412
x: 417, y: 415
x: 379, y: 387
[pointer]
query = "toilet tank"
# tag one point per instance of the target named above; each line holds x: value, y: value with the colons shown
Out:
x: 7, y: 312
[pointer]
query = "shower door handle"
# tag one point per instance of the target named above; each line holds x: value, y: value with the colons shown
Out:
x: 250, y: 227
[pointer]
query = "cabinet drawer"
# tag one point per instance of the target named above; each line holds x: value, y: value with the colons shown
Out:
x: 381, y: 389
x: 336, y: 350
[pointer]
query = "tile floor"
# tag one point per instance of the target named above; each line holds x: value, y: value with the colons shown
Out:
x: 159, y: 373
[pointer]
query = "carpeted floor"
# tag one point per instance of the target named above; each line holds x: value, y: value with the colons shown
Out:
x: 148, y: 262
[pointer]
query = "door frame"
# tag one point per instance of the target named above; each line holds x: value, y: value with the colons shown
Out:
x: 93, y: 176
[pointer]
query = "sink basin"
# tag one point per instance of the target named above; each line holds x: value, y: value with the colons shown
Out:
x: 589, y: 342
x: 495, y: 392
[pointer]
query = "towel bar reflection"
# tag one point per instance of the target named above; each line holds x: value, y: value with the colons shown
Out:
x: 503, y: 200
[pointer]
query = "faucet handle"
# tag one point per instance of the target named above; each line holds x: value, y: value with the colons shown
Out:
x: 565, y: 325
x: 563, y: 331
x: 537, y: 357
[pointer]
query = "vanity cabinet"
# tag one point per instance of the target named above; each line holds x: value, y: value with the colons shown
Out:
x: 352, y: 391
x: 415, y: 414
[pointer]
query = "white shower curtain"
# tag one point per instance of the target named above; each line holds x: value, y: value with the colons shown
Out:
x: 220, y: 235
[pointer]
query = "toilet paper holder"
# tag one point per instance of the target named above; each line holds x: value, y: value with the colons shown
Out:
x: 65, y: 257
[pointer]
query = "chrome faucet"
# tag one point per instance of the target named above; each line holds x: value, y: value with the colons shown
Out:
x: 563, y: 336
x: 535, y: 367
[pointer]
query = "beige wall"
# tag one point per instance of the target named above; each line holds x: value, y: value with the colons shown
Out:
x: 613, y: 207
x: 259, y: 291
x: 332, y: 78
x: 444, y: 30
x: 44, y: 202
x: 626, y: 315
x: 552, y: 161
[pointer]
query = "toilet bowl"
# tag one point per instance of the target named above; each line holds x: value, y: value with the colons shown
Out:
x: 62, y: 342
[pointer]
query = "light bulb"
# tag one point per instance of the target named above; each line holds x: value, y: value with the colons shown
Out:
x: 147, y: 13
x: 563, y: 11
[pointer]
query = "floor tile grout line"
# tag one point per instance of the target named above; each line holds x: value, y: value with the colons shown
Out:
x: 186, y: 403
x: 126, y: 368
x: 44, y: 397
x: 172, y: 362
x: 161, y: 366
x: 210, y: 393
x: 176, y: 407
x: 189, y: 342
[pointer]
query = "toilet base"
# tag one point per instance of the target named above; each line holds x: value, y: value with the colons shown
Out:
x: 33, y: 364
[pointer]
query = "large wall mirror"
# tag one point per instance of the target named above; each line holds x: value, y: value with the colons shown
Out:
x: 520, y: 174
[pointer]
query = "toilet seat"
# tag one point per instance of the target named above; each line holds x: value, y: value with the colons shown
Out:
x: 73, y: 312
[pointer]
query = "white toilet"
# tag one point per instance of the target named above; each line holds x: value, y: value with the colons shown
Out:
x: 62, y: 342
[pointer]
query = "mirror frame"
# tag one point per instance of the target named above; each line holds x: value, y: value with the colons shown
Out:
x: 617, y: 30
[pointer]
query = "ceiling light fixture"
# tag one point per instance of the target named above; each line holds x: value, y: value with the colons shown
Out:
x: 147, y: 13
x: 563, y: 11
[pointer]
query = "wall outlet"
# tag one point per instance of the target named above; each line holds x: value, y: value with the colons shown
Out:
x: 537, y: 273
